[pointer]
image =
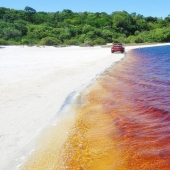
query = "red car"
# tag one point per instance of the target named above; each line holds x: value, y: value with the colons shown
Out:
x: 117, y: 47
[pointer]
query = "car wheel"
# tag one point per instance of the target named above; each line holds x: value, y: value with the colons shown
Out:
x: 112, y: 51
x: 122, y: 51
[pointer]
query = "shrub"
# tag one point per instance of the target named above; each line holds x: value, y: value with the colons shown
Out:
x: 99, y: 41
x: 71, y: 42
x: 3, y: 42
x: 139, y: 40
x: 50, y: 41
x: 87, y: 44
x: 13, y: 42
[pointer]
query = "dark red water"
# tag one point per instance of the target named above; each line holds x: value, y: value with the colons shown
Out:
x: 123, y: 119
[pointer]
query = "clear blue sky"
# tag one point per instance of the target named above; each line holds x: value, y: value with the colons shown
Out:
x: 154, y: 8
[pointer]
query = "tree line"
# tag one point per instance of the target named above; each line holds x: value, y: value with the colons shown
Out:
x: 79, y: 28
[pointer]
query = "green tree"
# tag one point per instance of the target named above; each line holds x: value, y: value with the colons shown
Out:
x: 21, y: 26
x: 30, y: 10
x: 12, y: 33
x: 75, y: 28
x: 123, y: 23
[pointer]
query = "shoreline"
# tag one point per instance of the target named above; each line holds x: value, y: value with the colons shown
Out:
x: 36, y: 81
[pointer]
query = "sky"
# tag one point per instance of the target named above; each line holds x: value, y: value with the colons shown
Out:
x: 154, y: 8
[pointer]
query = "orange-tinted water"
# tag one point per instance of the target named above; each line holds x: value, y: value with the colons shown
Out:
x: 115, y: 127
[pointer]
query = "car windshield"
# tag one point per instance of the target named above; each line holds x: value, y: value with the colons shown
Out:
x: 118, y: 44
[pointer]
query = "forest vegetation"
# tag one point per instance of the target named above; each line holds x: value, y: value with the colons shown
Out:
x: 79, y: 28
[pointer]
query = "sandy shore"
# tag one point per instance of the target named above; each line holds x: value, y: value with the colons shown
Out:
x: 34, y: 83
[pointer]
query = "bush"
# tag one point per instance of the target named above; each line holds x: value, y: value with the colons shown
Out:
x: 50, y: 41
x: 28, y: 41
x: 10, y: 33
x: 13, y: 42
x: 25, y: 41
x: 87, y: 44
x: 3, y: 42
x: 139, y: 40
x: 71, y: 42
x: 131, y: 39
x: 99, y: 41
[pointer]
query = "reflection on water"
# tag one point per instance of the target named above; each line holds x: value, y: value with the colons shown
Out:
x: 121, y: 122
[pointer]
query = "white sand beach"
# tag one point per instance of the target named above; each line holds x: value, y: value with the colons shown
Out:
x: 34, y: 83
